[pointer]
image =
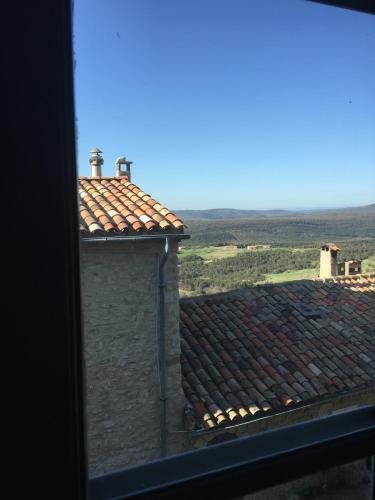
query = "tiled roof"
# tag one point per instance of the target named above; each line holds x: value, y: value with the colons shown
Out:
x: 114, y: 206
x: 270, y: 348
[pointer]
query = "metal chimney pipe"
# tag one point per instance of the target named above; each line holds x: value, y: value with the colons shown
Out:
x: 96, y: 161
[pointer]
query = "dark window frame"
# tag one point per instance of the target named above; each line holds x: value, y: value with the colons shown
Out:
x: 45, y: 433
x: 247, y: 465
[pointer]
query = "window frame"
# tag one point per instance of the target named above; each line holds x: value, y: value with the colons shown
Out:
x: 45, y: 432
x: 247, y: 465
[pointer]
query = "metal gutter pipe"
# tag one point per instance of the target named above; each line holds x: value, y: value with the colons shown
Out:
x: 112, y: 239
x: 161, y: 351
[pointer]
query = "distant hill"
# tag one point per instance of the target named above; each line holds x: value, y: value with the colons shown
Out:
x: 232, y: 213
x: 365, y: 210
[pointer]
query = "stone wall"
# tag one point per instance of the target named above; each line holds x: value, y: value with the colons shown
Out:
x: 120, y: 314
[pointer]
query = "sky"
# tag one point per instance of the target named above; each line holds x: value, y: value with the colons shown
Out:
x: 248, y: 104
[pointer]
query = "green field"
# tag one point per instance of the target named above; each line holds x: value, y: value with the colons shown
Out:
x: 211, y: 252
x: 220, y: 252
x: 299, y: 274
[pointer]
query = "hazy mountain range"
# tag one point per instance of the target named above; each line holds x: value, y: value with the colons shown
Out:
x: 232, y: 213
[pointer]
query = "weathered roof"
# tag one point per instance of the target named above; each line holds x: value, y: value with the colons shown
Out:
x: 115, y: 206
x: 269, y: 348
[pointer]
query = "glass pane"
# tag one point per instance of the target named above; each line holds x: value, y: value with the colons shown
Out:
x: 227, y: 281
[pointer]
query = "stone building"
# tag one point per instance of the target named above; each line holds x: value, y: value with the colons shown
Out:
x: 131, y: 321
x: 330, y: 267
x: 238, y: 363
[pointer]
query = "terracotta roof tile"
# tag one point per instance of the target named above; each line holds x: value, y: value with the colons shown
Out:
x: 114, y: 206
x: 247, y: 364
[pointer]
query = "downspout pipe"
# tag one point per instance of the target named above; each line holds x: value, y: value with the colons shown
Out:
x: 161, y: 351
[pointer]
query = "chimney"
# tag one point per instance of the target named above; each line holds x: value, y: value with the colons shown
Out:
x: 96, y: 161
x: 123, y: 161
x: 353, y: 267
x: 328, y: 260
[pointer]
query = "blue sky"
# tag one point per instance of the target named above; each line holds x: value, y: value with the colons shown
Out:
x: 229, y: 103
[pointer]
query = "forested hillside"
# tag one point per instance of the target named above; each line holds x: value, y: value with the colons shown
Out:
x: 200, y: 275
x: 232, y: 213
x: 282, y: 231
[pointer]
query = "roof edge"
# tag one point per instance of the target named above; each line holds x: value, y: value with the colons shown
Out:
x: 98, y: 177
x: 112, y: 239
x: 294, y: 408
